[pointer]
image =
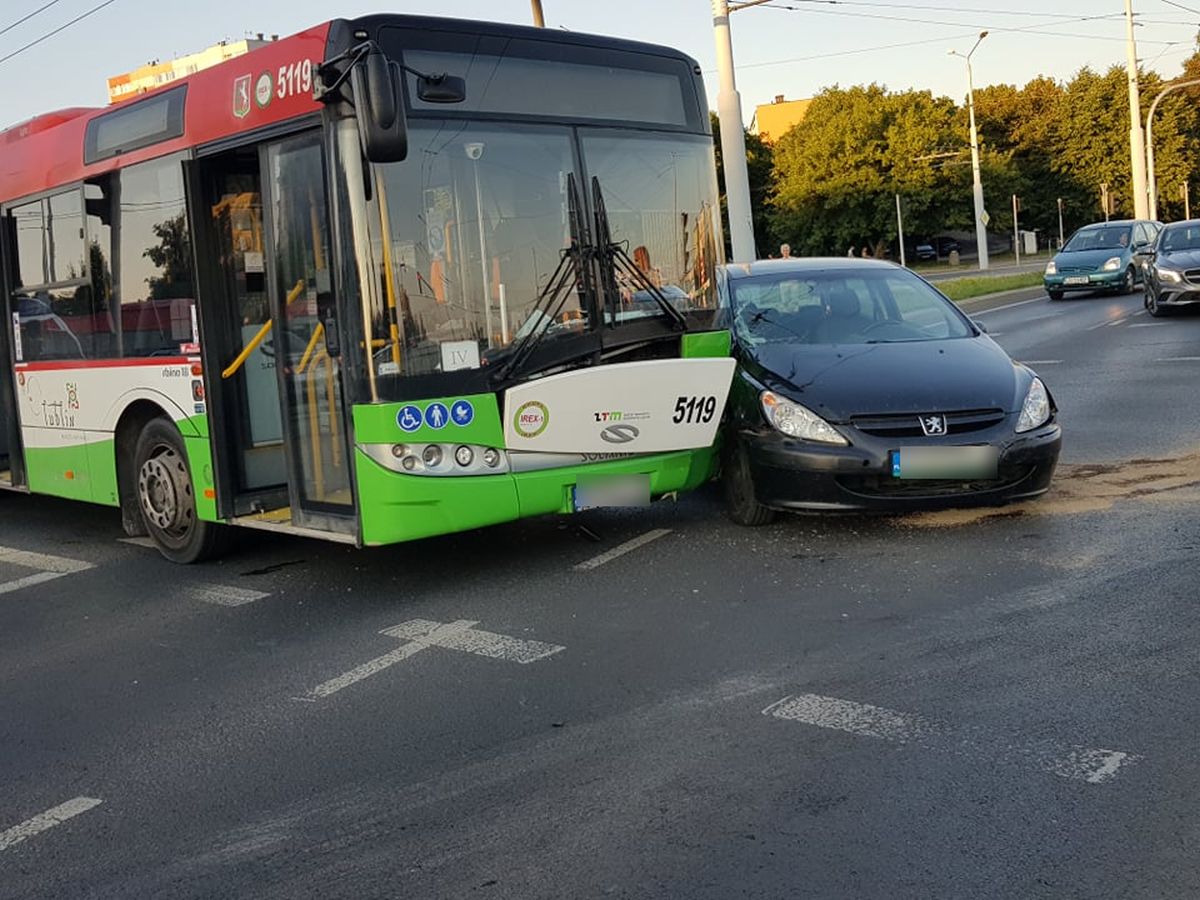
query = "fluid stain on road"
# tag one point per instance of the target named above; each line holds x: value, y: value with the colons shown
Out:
x: 1083, y: 488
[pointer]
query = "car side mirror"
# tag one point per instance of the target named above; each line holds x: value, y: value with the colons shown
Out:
x: 979, y: 325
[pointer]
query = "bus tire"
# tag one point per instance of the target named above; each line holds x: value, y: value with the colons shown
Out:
x: 166, y: 496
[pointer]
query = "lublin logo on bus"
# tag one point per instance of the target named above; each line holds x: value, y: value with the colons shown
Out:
x: 531, y: 419
x: 241, y: 97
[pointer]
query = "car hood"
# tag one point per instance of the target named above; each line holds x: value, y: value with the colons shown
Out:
x: 1179, y: 259
x: 841, y: 381
x: 1089, y: 259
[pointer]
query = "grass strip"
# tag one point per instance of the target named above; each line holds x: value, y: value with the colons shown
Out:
x: 966, y: 288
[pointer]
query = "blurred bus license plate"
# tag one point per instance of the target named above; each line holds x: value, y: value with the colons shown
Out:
x: 945, y: 462
x: 612, y: 490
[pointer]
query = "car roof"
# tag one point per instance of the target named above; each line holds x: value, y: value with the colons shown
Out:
x: 803, y: 264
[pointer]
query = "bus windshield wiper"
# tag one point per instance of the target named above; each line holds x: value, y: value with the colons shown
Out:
x: 615, y: 261
x: 570, y: 275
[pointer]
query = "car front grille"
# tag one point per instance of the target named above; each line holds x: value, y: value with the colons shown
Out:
x: 885, y: 486
x: 1192, y: 276
x: 1075, y: 270
x: 909, y: 424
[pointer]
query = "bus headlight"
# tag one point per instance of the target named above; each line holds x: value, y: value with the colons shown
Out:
x: 431, y: 455
x: 464, y: 455
x: 491, y: 457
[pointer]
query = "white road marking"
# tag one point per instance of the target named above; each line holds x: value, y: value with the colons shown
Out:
x: 1149, y: 324
x: 462, y: 635
x: 1042, y: 362
x: 984, y: 312
x: 50, y: 567
x: 622, y: 549
x: 422, y: 634
x: 146, y: 542
x: 1117, y: 322
x: 222, y: 595
x: 1105, y: 324
x: 1179, y: 359
x: 47, y: 820
x: 1093, y: 766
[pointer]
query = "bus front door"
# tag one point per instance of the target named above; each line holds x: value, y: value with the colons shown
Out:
x: 278, y: 428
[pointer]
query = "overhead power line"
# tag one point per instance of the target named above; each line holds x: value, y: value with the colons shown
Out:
x: 60, y: 28
x: 1181, y: 6
x: 26, y: 18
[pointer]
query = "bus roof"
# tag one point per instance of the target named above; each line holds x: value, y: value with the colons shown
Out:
x: 258, y: 89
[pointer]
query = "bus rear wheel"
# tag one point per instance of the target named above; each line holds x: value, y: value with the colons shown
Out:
x: 167, y: 498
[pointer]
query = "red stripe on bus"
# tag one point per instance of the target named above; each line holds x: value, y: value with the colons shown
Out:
x: 53, y: 365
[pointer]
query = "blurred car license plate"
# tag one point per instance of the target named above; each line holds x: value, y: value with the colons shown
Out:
x: 612, y: 490
x: 1076, y: 279
x: 945, y: 462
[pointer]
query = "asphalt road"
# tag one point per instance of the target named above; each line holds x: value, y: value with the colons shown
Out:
x: 933, y: 706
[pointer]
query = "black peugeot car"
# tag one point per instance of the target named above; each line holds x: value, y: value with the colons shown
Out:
x: 860, y: 387
x: 1172, y: 273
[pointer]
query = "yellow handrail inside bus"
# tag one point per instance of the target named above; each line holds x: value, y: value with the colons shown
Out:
x: 312, y: 343
x: 250, y: 347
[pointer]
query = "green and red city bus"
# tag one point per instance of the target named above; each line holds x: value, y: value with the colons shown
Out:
x: 388, y: 278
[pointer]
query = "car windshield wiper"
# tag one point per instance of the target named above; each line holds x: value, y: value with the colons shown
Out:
x: 571, y: 275
x: 761, y: 316
x: 615, y: 261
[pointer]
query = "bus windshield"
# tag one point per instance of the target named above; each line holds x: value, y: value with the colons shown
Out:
x: 477, y: 219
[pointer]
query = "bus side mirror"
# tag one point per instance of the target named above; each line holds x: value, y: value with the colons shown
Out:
x: 379, y: 105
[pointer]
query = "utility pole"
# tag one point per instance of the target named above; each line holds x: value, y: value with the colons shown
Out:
x: 980, y: 212
x: 1185, y: 189
x: 1104, y: 198
x: 538, y: 19
x: 1152, y: 181
x: 733, y: 140
x: 900, y: 229
x: 1060, y: 228
x: 1137, y: 144
x: 1016, y: 229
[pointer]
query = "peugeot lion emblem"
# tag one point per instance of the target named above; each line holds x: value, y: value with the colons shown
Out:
x: 933, y: 426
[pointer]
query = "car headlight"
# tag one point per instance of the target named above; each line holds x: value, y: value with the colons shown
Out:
x: 1111, y: 265
x: 1170, y: 275
x: 796, y: 421
x: 1036, y: 410
x: 1051, y: 268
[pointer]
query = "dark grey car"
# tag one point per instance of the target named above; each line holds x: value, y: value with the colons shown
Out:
x: 1172, y: 273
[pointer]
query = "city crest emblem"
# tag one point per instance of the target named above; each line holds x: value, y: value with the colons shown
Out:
x: 241, y: 97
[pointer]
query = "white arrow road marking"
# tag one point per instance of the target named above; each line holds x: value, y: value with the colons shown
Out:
x: 45, y: 821
x: 422, y: 634
x: 622, y: 549
x: 222, y: 595
x: 50, y: 567
x: 1065, y: 760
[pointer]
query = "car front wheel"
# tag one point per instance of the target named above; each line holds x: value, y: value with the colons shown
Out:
x: 1152, y: 305
x: 741, y: 504
x: 1126, y: 286
x: 1055, y: 295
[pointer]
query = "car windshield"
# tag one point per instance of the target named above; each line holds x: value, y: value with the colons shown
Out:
x: 1108, y: 237
x: 1180, y: 237
x: 842, y: 306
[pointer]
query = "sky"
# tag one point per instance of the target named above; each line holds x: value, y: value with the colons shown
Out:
x: 789, y: 47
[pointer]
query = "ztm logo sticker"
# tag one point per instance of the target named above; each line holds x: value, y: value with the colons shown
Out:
x: 264, y: 90
x: 531, y: 419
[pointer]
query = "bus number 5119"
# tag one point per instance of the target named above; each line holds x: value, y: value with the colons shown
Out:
x: 691, y: 410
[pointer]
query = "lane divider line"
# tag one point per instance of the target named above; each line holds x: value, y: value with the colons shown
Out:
x: 143, y: 541
x: 46, y: 820
x: 1070, y: 761
x: 49, y: 566
x: 622, y: 549
x: 1179, y: 359
x: 1042, y: 362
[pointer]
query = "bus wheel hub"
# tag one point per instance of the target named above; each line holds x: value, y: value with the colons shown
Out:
x: 158, y: 492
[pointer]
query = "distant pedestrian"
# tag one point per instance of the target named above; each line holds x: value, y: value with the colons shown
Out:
x: 866, y: 252
x: 785, y: 251
x: 851, y: 252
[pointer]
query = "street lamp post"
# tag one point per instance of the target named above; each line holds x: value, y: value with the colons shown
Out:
x: 733, y: 141
x: 1137, y: 148
x: 1152, y: 180
x: 980, y: 227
